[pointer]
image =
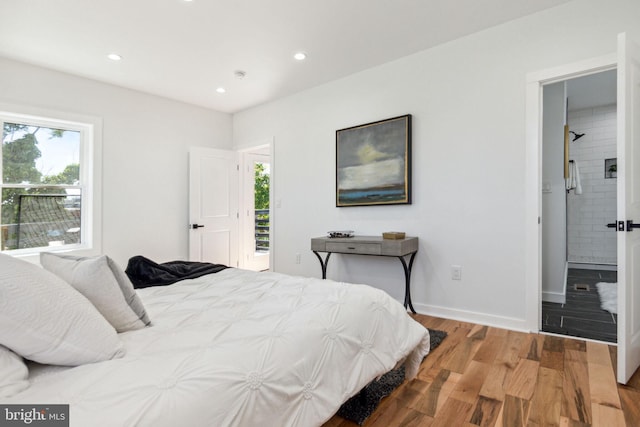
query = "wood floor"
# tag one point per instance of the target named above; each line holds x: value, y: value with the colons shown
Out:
x: 484, y: 376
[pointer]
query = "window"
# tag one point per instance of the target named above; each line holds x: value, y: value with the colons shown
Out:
x: 46, y: 184
x: 261, y: 205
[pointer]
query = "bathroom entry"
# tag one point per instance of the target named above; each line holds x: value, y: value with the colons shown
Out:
x: 579, y: 174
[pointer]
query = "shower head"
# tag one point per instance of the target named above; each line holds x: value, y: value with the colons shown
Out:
x: 576, y: 136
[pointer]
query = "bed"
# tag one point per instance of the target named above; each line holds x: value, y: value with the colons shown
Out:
x: 233, y: 348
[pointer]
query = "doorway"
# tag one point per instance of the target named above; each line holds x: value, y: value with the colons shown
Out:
x: 626, y: 60
x: 256, y: 225
x: 579, y: 177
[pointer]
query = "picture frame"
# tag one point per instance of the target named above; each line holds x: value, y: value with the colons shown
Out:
x: 373, y: 163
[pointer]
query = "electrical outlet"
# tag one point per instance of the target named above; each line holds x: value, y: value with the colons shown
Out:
x: 456, y: 272
x: 297, y: 258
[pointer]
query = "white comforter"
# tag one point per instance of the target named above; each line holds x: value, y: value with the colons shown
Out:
x: 239, y: 348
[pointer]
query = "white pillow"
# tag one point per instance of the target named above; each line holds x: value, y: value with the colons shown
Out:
x: 103, y: 283
x: 13, y: 373
x: 42, y: 318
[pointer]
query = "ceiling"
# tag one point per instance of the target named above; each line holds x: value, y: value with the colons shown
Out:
x: 184, y: 50
x: 593, y: 90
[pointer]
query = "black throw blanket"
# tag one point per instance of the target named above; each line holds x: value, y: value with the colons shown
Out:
x: 144, y: 273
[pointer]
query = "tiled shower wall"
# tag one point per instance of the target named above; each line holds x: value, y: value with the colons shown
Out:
x: 588, y: 238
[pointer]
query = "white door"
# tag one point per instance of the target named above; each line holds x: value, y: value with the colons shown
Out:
x: 256, y: 241
x: 628, y: 208
x: 213, y: 206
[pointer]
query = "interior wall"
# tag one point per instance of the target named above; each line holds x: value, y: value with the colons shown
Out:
x: 554, y: 206
x: 144, y: 159
x: 589, y: 240
x: 467, y: 98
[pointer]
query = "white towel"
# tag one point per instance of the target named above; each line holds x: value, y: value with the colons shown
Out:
x: 573, y: 182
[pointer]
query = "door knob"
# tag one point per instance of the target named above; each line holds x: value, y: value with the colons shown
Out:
x: 619, y: 226
x: 631, y: 225
x: 196, y: 226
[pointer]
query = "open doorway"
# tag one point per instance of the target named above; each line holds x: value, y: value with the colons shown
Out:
x: 626, y: 60
x: 579, y: 186
x: 257, y: 219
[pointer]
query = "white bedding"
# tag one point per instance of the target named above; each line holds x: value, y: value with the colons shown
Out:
x: 239, y: 348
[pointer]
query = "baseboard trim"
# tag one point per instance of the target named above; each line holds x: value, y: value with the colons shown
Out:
x: 473, y: 317
x: 556, y: 297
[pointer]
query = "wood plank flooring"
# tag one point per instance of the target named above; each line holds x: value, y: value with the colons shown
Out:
x: 485, y: 376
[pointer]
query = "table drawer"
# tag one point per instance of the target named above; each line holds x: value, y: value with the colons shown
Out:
x: 354, y: 248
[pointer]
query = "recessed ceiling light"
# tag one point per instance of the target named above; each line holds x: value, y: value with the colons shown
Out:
x: 221, y: 90
x: 300, y: 56
x: 114, y: 57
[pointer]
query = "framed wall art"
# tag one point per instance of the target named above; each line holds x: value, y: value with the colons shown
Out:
x: 373, y: 163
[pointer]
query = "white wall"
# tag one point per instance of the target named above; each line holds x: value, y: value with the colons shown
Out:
x: 590, y: 241
x: 467, y: 98
x: 145, y: 144
x: 554, y: 206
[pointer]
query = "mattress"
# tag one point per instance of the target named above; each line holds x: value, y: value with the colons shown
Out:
x: 239, y: 348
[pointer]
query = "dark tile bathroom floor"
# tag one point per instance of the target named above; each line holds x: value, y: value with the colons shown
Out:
x: 581, y: 315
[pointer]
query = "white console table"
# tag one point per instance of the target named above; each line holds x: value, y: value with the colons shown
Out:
x: 370, y: 245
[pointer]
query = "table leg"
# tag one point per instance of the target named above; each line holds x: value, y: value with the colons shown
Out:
x: 407, y: 281
x: 323, y: 264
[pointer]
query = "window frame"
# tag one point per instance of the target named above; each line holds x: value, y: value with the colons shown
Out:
x: 90, y: 129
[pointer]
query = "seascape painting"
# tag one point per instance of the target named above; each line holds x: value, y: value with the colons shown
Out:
x: 373, y: 163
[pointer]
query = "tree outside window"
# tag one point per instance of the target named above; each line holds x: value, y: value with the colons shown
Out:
x: 41, y: 186
x: 261, y: 204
